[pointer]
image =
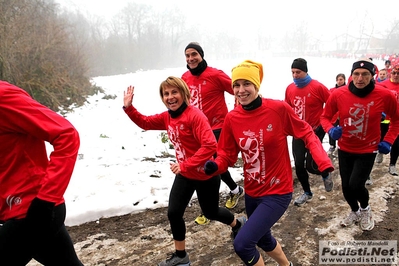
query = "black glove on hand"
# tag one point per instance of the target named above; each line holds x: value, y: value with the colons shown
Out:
x: 40, y: 213
x: 210, y: 167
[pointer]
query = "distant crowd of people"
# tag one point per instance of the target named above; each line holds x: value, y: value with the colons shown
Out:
x: 360, y: 117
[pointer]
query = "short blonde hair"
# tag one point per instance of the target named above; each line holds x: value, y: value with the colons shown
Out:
x: 176, y: 83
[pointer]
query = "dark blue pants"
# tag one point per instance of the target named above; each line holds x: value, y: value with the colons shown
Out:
x: 262, y: 213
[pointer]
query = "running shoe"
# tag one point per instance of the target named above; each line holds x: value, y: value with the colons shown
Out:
x: 353, y: 218
x: 174, y: 260
x: 302, y: 199
x: 392, y: 170
x: 202, y: 220
x: 242, y: 220
x: 366, y: 219
x: 233, y: 199
x: 379, y: 158
x: 328, y: 183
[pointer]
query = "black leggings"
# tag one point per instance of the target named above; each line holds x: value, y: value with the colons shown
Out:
x: 208, y: 198
x: 19, y: 243
x: 394, y: 152
x: 304, y: 162
x: 354, y: 170
x: 226, y: 177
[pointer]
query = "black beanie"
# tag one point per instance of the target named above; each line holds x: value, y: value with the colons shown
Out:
x: 301, y: 64
x: 364, y: 63
x: 197, y: 47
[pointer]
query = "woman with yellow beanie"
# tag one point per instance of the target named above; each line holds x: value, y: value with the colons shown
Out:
x: 258, y: 128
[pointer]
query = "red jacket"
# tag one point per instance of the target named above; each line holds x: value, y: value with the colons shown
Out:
x: 308, y: 102
x: 207, y: 94
x: 26, y: 171
x: 360, y: 118
x: 190, y: 134
x: 261, y: 137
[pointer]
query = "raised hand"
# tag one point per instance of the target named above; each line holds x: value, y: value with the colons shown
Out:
x: 128, y: 96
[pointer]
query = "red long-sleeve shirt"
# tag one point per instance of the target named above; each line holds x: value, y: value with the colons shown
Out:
x: 308, y: 102
x: 207, y: 94
x: 391, y: 86
x: 360, y: 118
x: 261, y: 137
x: 190, y: 134
x: 394, y: 87
x: 25, y: 170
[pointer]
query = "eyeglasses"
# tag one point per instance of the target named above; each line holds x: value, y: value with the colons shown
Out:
x: 365, y: 74
x: 394, y: 73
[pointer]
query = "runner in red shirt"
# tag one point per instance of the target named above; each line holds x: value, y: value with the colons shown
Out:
x: 258, y: 129
x: 207, y: 87
x: 307, y: 97
x: 340, y: 80
x: 194, y: 143
x: 360, y: 106
x: 393, y: 84
x: 32, y: 186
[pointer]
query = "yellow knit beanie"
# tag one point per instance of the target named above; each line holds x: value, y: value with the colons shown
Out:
x: 248, y: 70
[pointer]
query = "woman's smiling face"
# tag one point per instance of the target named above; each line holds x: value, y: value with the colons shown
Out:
x: 245, y: 91
x: 172, y: 98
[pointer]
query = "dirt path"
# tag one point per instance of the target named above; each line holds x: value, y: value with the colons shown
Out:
x: 145, y: 239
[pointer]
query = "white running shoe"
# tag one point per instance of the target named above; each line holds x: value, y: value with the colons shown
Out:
x: 379, y: 158
x: 353, y: 218
x: 302, y: 199
x: 392, y: 170
x: 366, y: 219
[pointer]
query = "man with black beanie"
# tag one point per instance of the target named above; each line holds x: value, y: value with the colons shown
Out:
x: 307, y: 97
x: 207, y: 87
x: 360, y: 105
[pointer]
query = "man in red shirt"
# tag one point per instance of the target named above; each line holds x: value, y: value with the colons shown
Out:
x: 360, y: 106
x: 32, y: 207
x: 392, y: 84
x: 340, y: 80
x: 307, y: 97
x: 207, y: 87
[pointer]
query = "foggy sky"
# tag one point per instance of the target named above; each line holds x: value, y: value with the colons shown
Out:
x: 324, y: 19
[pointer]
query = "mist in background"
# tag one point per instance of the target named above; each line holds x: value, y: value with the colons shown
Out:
x: 122, y: 36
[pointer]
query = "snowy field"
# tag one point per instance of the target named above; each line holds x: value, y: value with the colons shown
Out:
x: 112, y: 176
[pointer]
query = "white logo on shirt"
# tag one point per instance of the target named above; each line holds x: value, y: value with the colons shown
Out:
x: 250, y: 151
x: 174, y: 138
x: 299, y: 106
x: 13, y: 200
x: 358, y: 120
x: 196, y: 96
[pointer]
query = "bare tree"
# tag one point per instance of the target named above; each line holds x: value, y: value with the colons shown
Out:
x: 39, y: 55
x: 392, y: 39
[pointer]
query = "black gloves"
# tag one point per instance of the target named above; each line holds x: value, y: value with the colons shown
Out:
x: 210, y: 167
